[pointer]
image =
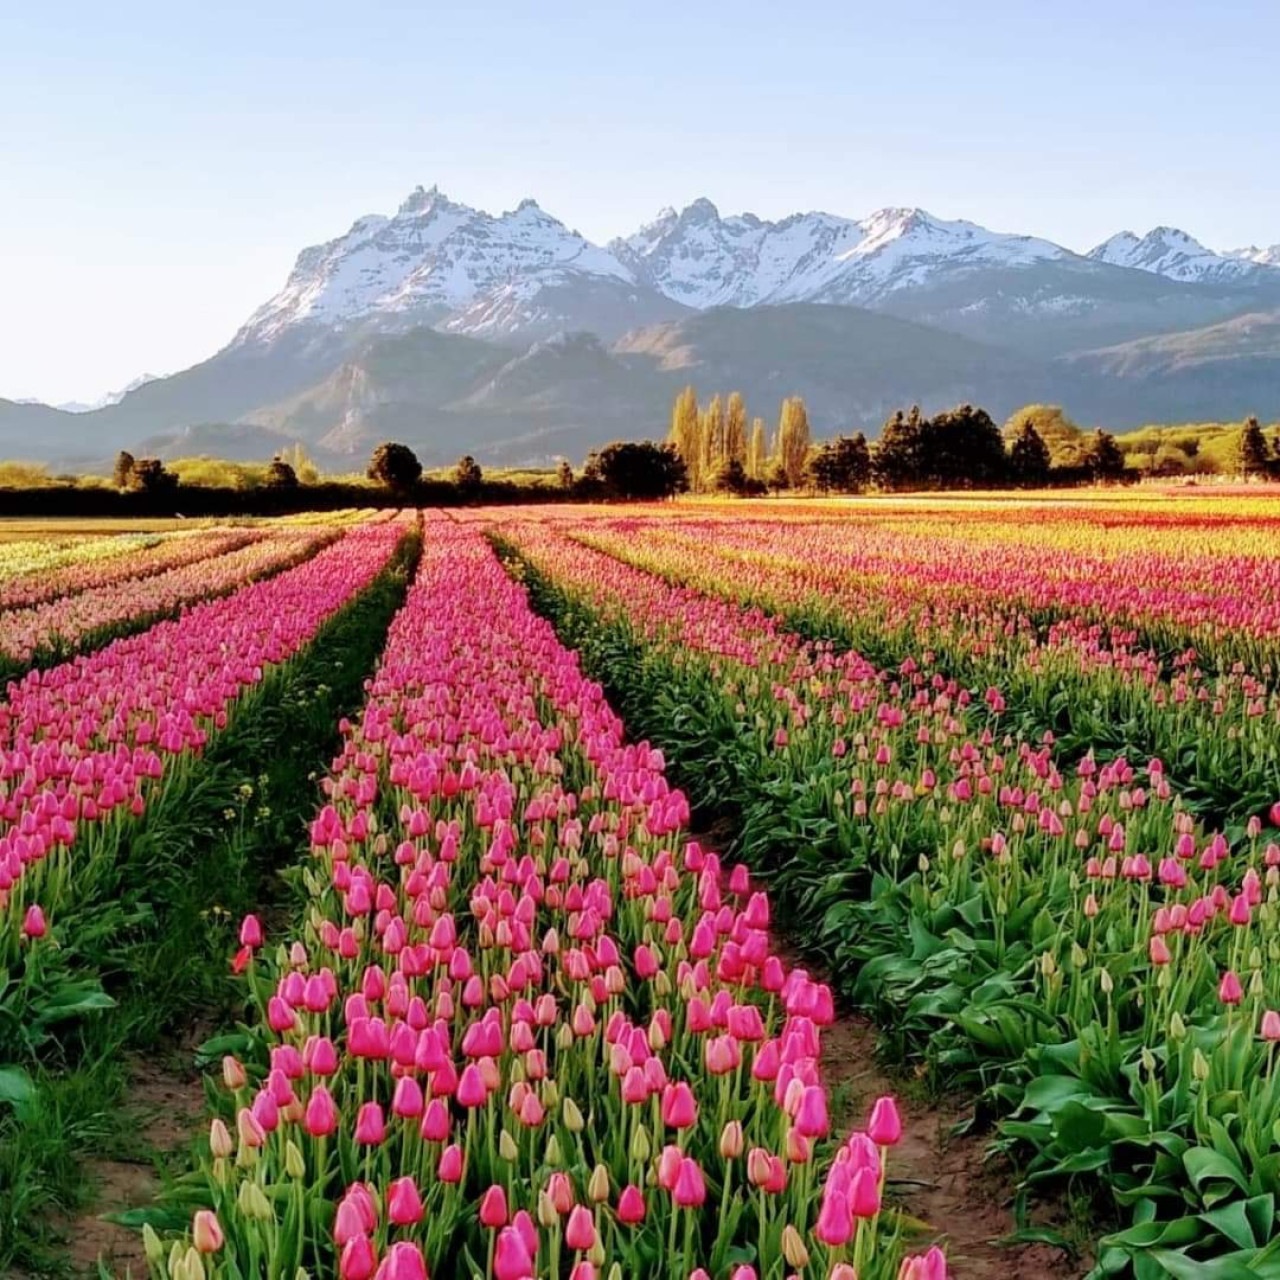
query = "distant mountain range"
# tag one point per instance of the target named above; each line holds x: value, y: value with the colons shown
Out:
x: 517, y: 339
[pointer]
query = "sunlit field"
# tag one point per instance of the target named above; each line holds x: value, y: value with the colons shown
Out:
x: 726, y: 889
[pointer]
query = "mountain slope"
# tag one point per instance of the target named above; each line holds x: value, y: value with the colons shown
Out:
x: 853, y: 366
x: 1216, y: 372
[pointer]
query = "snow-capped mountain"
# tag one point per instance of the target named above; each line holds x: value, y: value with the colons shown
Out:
x: 522, y: 276
x: 1169, y: 252
x: 701, y: 259
x: 1262, y: 257
x: 431, y: 259
x: 102, y: 402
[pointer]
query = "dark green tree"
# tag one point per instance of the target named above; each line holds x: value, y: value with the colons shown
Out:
x: 637, y: 469
x: 778, y: 479
x: 1028, y: 456
x: 896, y: 462
x: 842, y: 465
x: 962, y: 449
x: 150, y: 476
x: 122, y: 472
x: 1102, y: 457
x: 395, y: 465
x: 280, y: 475
x: 732, y: 477
x: 1255, y: 459
x: 467, y: 476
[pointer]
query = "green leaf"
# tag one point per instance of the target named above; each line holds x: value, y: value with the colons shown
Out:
x: 1204, y: 1164
x: 16, y: 1087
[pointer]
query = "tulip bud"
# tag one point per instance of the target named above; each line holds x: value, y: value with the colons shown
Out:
x: 641, y: 1148
x: 220, y: 1143
x: 206, y: 1231
x: 233, y: 1075
x: 152, y: 1246
x: 1199, y: 1066
x: 294, y: 1165
x: 731, y: 1141
x: 598, y: 1185
x: 573, y: 1120
x: 253, y: 1204
x: 793, y: 1248
x: 507, y: 1149
x: 547, y: 1215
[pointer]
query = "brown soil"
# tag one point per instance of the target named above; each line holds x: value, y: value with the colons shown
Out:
x: 165, y: 1105
x: 941, y: 1179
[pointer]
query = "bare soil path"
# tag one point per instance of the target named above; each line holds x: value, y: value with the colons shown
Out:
x: 165, y: 1104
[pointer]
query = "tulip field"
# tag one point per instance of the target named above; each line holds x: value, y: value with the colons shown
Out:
x: 521, y: 865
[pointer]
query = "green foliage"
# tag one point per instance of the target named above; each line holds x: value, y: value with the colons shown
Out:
x: 1197, y: 448
x: 1029, y: 458
x: 636, y: 469
x: 467, y: 476
x: 1063, y: 438
x: 1103, y: 458
x: 961, y: 448
x: 842, y: 465
x: 280, y: 475
x: 1255, y: 455
x: 793, y: 440
x: 122, y: 472
x: 897, y: 462
x: 395, y: 466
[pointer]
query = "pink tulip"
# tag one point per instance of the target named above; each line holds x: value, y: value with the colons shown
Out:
x: 404, y: 1206
x: 403, y: 1261
x: 493, y: 1207
x: 885, y: 1126
x: 580, y: 1231
x: 631, y: 1208
x: 512, y: 1259
x: 358, y: 1260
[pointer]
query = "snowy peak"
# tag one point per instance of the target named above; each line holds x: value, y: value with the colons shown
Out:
x: 1259, y: 257
x: 703, y: 260
x: 431, y: 258
x: 525, y: 274
x: 1172, y: 253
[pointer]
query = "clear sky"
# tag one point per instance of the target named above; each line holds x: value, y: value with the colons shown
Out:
x: 162, y: 163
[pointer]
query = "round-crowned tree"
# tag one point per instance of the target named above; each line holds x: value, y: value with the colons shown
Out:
x: 395, y: 465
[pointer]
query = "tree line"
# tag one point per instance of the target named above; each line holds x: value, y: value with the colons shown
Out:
x: 956, y: 449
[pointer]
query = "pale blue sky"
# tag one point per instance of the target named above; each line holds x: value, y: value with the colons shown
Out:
x: 162, y: 163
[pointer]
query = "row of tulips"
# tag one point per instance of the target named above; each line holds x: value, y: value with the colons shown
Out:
x: 1066, y: 938
x: 25, y: 556
x: 71, y: 621
x: 147, y: 557
x: 85, y: 746
x: 527, y: 1028
x: 1093, y: 683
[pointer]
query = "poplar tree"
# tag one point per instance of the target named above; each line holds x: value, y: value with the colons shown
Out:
x: 793, y: 439
x: 686, y: 433
x: 757, y: 451
x: 712, y: 440
x: 735, y: 430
